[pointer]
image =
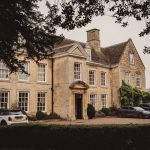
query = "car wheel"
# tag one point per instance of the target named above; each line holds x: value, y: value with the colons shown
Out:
x: 3, y: 123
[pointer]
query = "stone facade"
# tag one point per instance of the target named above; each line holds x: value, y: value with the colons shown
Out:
x: 83, y: 73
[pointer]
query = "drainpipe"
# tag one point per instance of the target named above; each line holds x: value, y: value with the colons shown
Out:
x: 52, y: 89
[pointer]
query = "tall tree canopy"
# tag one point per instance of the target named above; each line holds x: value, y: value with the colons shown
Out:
x: 24, y: 29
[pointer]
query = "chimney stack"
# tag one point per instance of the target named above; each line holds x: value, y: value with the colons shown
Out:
x: 93, y: 39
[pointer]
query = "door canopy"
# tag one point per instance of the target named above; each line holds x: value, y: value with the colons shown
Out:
x: 79, y: 85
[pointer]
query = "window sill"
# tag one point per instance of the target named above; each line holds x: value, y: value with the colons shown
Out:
x: 94, y: 86
x: 138, y: 87
x: 40, y: 82
x: 4, y: 80
x: 24, y: 81
x: 104, y: 87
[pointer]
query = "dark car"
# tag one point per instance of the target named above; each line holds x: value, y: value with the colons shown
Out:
x: 129, y: 111
x: 145, y: 106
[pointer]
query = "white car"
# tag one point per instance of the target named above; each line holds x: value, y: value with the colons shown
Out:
x: 12, y: 116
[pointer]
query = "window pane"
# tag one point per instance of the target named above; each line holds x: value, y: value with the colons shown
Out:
x: 93, y: 99
x: 138, y: 80
x: 3, y: 99
x: 4, y: 71
x: 41, y: 72
x: 103, y: 79
x: 127, y: 77
x: 92, y: 77
x: 77, y: 71
x: 41, y: 99
x: 23, y: 100
x: 23, y: 76
x: 103, y: 98
x: 131, y: 58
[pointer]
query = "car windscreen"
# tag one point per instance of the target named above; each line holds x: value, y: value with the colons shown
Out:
x: 16, y: 112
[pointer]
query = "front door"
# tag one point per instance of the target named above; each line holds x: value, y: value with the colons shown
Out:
x: 78, y: 106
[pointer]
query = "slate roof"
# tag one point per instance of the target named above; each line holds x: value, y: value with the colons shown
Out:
x: 107, y: 56
x: 113, y: 53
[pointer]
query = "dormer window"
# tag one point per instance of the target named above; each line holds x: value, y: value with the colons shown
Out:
x: 132, y: 59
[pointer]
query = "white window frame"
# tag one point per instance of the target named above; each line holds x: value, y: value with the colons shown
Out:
x: 127, y: 78
x: 24, y: 102
x: 41, y: 73
x: 93, y: 99
x: 132, y: 59
x: 77, y: 71
x: 4, y: 71
x: 138, y: 80
x: 104, y: 100
x: 21, y: 74
x: 103, y: 80
x: 41, y: 92
x: 5, y: 102
x: 93, y: 77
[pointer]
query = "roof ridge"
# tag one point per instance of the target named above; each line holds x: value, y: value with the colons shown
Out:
x: 115, y: 44
x: 64, y: 46
x: 74, y: 41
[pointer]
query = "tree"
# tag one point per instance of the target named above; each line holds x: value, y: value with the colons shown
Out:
x: 23, y: 29
x: 78, y: 13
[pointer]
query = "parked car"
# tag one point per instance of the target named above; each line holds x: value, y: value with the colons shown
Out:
x: 12, y: 116
x: 145, y: 106
x: 133, y: 112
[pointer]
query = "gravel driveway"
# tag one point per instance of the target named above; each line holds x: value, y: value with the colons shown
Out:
x: 96, y: 121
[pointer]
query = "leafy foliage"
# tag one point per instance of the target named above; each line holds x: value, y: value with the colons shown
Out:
x: 111, y: 111
x: 129, y: 96
x: 90, y: 111
x: 85, y: 137
x: 132, y: 96
x: 23, y: 29
x: 146, y: 97
x: 44, y: 116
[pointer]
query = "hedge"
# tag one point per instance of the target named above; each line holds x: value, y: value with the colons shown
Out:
x: 55, y: 137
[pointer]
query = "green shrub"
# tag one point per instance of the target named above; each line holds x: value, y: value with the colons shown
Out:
x: 113, y: 111
x: 105, y: 111
x: 53, y: 116
x: 90, y: 111
x: 99, y: 114
x: 32, y: 118
x: 41, y: 115
x: 75, y: 137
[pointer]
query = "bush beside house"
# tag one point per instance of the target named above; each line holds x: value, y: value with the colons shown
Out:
x: 90, y: 111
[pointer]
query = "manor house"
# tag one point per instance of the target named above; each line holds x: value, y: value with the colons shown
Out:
x: 79, y: 73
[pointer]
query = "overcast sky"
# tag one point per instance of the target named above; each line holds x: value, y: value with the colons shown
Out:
x: 112, y: 33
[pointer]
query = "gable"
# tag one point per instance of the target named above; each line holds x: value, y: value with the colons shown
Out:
x: 125, y: 58
x: 78, y: 52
